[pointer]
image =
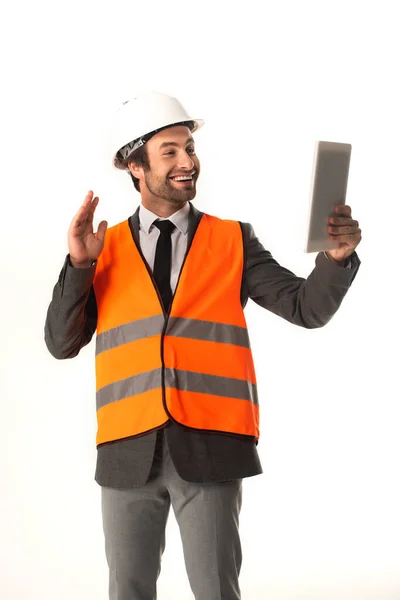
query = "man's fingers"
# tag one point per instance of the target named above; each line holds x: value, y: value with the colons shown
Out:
x: 338, y: 231
x: 88, y: 207
x: 343, y: 209
x: 101, y: 232
x: 342, y: 221
x: 90, y: 211
x: 348, y: 239
x: 80, y: 216
x: 87, y: 201
x: 93, y: 204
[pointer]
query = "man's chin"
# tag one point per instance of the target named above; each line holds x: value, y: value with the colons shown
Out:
x: 177, y: 200
x: 182, y: 196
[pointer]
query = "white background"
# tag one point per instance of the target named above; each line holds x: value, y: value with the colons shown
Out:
x: 269, y: 78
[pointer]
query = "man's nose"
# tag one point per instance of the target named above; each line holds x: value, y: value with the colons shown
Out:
x: 185, y: 161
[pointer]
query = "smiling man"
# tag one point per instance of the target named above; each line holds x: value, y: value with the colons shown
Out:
x: 176, y: 391
x: 171, y: 173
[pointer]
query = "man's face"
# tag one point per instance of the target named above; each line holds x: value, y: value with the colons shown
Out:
x: 171, y: 154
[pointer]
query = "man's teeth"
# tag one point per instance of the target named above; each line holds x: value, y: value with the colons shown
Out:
x: 182, y: 178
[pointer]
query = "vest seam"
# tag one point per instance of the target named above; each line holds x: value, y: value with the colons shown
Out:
x: 244, y: 278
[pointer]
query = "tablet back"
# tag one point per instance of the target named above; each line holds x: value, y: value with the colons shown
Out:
x: 328, y: 188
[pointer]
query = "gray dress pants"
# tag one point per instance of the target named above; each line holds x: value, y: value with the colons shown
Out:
x: 134, y: 522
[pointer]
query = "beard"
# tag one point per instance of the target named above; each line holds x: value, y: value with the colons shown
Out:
x: 163, y: 187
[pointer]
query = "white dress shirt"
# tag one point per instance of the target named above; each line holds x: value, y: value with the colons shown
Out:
x: 149, y: 233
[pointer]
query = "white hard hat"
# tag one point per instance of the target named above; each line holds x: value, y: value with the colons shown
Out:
x: 144, y: 115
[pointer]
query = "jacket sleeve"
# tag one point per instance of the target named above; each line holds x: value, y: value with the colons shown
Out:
x: 72, y: 314
x: 308, y: 303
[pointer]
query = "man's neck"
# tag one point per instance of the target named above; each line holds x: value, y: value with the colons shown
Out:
x: 163, y: 208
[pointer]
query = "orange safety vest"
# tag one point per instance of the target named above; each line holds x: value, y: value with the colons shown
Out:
x: 194, y: 365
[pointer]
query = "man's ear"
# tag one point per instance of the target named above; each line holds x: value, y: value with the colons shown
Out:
x: 135, y: 169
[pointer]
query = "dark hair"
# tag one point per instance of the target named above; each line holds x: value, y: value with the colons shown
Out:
x: 141, y: 157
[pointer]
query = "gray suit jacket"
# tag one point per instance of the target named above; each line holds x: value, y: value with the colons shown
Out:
x: 198, y: 456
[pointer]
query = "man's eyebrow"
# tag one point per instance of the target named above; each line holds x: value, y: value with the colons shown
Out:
x: 189, y: 140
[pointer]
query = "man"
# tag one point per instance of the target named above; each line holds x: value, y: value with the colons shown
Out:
x: 177, y: 404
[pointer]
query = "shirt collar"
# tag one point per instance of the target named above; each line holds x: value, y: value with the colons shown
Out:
x: 180, y: 218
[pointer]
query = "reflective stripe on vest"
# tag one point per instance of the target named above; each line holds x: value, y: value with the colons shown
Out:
x: 200, y: 370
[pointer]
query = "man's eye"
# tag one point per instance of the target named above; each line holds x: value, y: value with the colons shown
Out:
x: 192, y: 150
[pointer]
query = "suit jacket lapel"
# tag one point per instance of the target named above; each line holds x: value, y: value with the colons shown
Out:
x: 194, y: 220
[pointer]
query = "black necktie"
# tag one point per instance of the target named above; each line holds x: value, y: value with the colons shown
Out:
x: 162, y: 261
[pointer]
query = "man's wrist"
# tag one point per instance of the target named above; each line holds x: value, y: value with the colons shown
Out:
x: 341, y: 263
x: 84, y: 265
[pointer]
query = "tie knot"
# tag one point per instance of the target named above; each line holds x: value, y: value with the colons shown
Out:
x: 165, y: 226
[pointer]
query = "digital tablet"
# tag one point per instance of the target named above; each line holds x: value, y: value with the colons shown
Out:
x: 328, y: 189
